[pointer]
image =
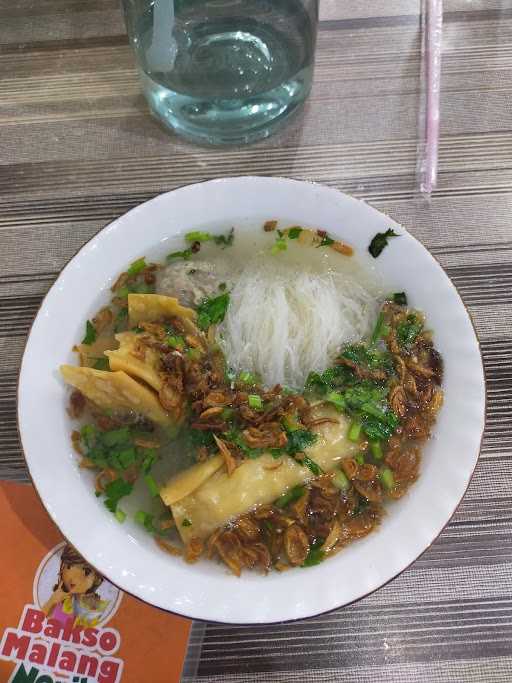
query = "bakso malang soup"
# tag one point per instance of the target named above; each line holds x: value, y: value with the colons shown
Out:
x: 257, y: 398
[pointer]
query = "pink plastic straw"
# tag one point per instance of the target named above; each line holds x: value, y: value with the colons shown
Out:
x: 431, y: 48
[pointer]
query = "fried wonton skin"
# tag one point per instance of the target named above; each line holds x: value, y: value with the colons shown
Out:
x: 136, y: 360
x: 153, y: 307
x: 186, y: 482
x: 222, y: 498
x: 116, y: 391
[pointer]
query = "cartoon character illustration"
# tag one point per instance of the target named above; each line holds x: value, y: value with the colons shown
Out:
x: 74, y: 595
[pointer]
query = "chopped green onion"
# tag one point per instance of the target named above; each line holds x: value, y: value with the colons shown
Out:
x: 193, y: 354
x: 376, y: 449
x: 336, y: 399
x: 146, y: 520
x: 141, y: 288
x: 149, y: 459
x: 313, y: 466
x: 175, y: 342
x: 120, y: 317
x: 101, y: 364
x: 151, y: 484
x: 387, y: 478
x: 122, y: 292
x: 255, y: 401
x: 340, y: 480
x: 120, y: 515
x: 326, y: 241
x: 293, y: 233
x: 225, y: 240
x: 408, y: 330
x: 247, y: 378
x: 198, y: 236
x: 115, y: 490
x: 400, y: 298
x: 88, y: 434
x: 227, y: 413
x: 126, y: 457
x: 290, y: 423
x: 380, y: 241
x: 137, y: 266
x: 141, y: 516
x: 298, y: 440
x: 377, y: 330
x: 315, y: 555
x: 116, y: 437
x: 375, y: 411
x: 186, y: 522
x: 212, y: 311
x: 186, y: 254
x: 359, y: 458
x: 90, y: 333
x: 290, y: 496
x: 279, y: 245
x: 354, y: 431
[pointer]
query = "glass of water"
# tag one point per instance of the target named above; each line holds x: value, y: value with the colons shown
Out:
x: 223, y: 71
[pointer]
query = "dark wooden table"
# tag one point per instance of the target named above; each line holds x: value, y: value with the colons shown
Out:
x: 78, y: 148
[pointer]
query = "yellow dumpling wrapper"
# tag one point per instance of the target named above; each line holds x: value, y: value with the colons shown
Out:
x: 186, y: 482
x: 124, y: 359
x: 223, y: 498
x: 90, y: 353
x: 153, y: 307
x: 116, y: 391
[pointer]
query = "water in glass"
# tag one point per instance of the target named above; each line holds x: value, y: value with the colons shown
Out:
x: 224, y: 71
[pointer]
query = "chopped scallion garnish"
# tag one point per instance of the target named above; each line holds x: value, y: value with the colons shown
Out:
x: 186, y: 254
x: 340, y: 480
x: 359, y: 458
x: 90, y: 333
x: 290, y: 496
x: 198, y: 236
x: 387, y: 478
x: 279, y: 245
x: 151, y: 484
x: 326, y: 241
x: 380, y: 241
x: 120, y: 515
x: 101, y: 364
x: 175, y: 342
x: 212, y: 311
x: 312, y: 465
x: 376, y: 449
x: 354, y: 431
x: 137, y: 266
x: 400, y: 298
x: 247, y: 378
x: 255, y: 401
x: 336, y: 399
x: 293, y: 233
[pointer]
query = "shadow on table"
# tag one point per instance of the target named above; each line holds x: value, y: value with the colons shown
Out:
x: 33, y: 516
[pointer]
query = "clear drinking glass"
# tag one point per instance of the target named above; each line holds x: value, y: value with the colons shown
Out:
x: 223, y: 71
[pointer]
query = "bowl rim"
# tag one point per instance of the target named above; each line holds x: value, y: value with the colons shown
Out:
x: 249, y: 178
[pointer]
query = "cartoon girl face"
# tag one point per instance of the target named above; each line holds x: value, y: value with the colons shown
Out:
x: 77, y: 578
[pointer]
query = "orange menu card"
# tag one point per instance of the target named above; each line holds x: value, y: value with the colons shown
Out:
x: 62, y: 622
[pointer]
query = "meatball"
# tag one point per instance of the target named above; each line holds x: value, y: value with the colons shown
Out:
x: 191, y: 281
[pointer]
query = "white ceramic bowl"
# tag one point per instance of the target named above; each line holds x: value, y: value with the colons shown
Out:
x: 125, y: 554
